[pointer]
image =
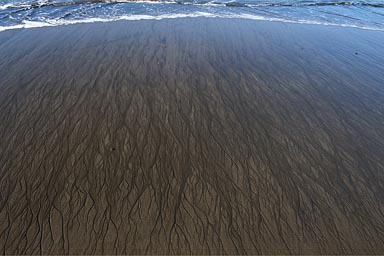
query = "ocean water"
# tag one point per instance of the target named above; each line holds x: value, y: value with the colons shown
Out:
x: 365, y: 14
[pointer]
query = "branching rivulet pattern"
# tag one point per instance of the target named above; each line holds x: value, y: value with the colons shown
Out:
x: 191, y: 136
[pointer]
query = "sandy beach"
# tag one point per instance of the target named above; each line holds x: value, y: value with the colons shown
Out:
x: 192, y: 136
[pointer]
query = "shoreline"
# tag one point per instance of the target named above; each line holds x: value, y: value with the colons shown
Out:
x: 191, y: 136
x: 198, y: 15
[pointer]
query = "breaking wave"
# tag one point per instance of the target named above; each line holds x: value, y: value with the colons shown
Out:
x: 17, y: 14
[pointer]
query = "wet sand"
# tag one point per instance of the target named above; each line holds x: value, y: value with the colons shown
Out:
x: 203, y: 136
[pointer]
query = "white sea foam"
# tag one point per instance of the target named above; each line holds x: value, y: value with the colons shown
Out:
x: 6, y: 6
x: 46, y: 2
x: 62, y: 22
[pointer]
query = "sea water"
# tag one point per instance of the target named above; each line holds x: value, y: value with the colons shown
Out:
x: 366, y: 14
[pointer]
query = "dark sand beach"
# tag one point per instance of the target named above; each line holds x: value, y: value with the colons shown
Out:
x: 202, y: 136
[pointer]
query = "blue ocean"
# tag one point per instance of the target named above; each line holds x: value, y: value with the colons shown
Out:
x: 367, y: 14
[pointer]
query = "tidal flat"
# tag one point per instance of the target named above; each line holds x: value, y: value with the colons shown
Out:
x: 192, y: 136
